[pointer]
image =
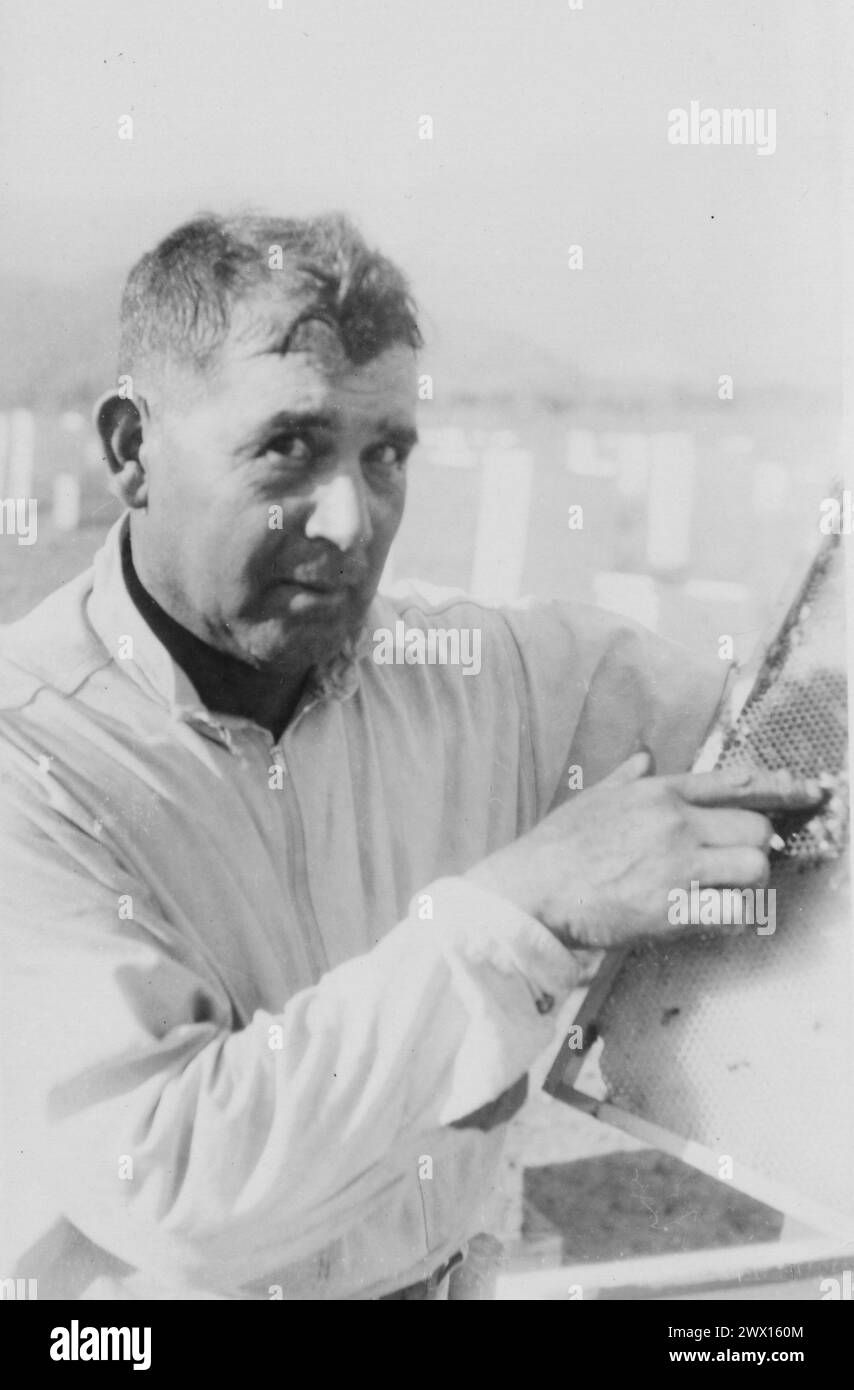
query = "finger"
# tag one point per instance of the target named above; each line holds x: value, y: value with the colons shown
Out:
x: 773, y: 792
x: 721, y: 826
x: 645, y: 748
x: 637, y: 766
x: 735, y: 867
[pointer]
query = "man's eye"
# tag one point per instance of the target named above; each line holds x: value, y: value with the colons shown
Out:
x: 293, y: 447
x: 387, y: 455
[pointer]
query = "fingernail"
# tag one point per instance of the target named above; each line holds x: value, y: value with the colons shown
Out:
x: 739, y: 776
x: 777, y: 843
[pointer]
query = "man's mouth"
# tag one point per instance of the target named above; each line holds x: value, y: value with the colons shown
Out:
x: 304, y: 595
x: 305, y: 578
x: 311, y: 586
x: 320, y: 588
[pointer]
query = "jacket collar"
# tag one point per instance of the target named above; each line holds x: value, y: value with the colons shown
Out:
x: 134, y: 646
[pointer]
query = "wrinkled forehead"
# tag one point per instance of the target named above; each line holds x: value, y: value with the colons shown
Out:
x: 285, y: 345
x: 282, y: 319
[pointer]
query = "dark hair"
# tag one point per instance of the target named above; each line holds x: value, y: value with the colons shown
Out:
x: 179, y: 298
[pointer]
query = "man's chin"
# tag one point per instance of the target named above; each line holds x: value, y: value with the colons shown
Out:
x: 277, y: 646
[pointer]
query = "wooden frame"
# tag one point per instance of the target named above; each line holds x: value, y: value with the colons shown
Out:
x: 569, y: 1062
x: 734, y: 1271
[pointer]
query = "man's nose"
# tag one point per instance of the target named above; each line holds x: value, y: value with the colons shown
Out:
x: 339, y: 513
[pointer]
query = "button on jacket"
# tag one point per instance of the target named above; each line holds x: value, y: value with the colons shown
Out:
x: 247, y: 1000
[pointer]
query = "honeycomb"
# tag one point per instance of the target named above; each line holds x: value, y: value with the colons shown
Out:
x: 796, y: 715
x: 743, y: 1042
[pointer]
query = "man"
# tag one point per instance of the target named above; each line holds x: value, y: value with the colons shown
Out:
x: 286, y: 926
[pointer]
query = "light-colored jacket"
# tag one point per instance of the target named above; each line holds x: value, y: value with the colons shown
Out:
x: 246, y: 998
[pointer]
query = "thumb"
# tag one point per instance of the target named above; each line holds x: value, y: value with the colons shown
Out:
x: 640, y: 764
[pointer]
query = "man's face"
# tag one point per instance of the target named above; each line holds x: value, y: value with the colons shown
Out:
x: 275, y: 493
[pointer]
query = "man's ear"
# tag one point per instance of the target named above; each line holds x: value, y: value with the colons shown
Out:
x: 119, y: 422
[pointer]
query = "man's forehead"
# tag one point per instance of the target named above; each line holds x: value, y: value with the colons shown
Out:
x: 280, y: 322
x: 301, y: 353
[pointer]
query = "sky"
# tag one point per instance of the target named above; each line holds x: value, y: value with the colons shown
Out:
x: 549, y: 129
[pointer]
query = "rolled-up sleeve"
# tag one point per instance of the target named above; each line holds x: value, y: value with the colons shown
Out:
x: 178, y: 1141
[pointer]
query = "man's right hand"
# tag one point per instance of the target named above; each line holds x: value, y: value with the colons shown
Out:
x: 598, y: 871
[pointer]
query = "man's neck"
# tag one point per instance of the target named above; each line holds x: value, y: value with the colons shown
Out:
x: 224, y: 683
